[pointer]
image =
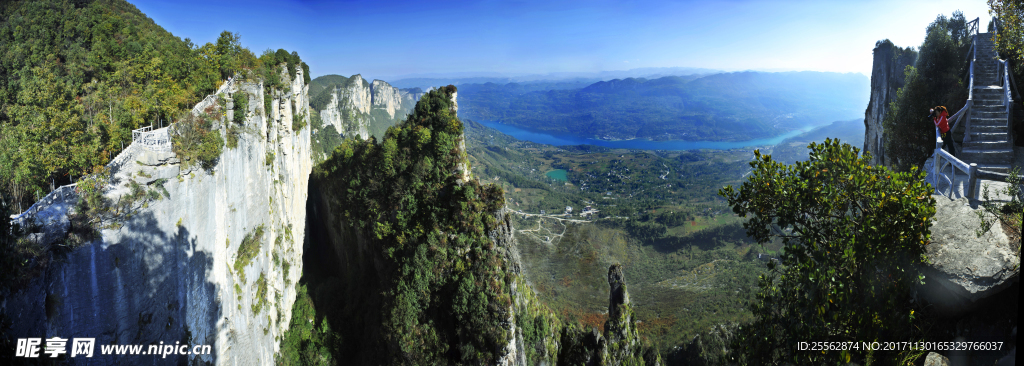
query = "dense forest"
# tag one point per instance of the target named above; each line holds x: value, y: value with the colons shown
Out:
x: 721, y: 107
x: 76, y: 77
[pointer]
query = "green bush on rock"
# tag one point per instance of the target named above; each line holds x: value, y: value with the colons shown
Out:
x: 852, y: 234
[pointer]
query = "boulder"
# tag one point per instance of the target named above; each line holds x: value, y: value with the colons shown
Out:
x: 166, y: 172
x: 155, y: 158
x: 964, y: 268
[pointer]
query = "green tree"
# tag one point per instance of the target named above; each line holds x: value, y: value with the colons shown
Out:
x: 936, y: 79
x: 852, y: 235
x: 228, y: 49
x: 1010, y: 39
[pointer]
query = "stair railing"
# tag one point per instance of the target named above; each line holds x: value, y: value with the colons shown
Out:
x: 972, y: 26
x: 1007, y: 100
x: 943, y: 159
x: 966, y: 110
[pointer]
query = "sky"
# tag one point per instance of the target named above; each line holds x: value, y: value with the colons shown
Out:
x: 394, y: 39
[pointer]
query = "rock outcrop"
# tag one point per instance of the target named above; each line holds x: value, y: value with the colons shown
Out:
x: 358, y: 108
x: 175, y: 271
x: 964, y: 268
x: 887, y: 77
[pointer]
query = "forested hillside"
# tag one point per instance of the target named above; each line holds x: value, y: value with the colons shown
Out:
x: 76, y: 77
x: 721, y: 107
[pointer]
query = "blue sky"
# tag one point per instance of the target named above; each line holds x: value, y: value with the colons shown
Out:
x: 390, y: 39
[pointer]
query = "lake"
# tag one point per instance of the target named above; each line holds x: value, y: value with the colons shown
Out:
x: 562, y: 140
x: 558, y: 174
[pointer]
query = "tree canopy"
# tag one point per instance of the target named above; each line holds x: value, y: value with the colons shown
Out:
x: 77, y: 77
x: 852, y: 235
x: 938, y: 78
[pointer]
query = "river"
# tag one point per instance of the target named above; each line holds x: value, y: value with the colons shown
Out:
x: 566, y: 139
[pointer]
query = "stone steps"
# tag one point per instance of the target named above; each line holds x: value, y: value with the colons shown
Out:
x: 989, y: 143
x: 988, y: 136
x: 988, y: 121
x: 994, y: 156
x: 989, y: 129
x: 998, y: 168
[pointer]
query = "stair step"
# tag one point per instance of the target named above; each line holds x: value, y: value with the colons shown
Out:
x: 979, y: 107
x: 985, y: 156
x: 988, y: 145
x: 986, y: 114
x: 998, y: 168
x: 975, y: 121
x: 993, y: 137
x: 988, y: 129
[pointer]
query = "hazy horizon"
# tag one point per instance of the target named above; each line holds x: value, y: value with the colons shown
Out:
x: 403, y: 39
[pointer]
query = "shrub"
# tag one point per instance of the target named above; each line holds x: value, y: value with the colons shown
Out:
x: 853, y: 235
x: 241, y: 108
x: 193, y: 141
x: 261, y: 295
x: 248, y: 250
x: 268, y: 102
x: 298, y: 122
x: 231, y: 137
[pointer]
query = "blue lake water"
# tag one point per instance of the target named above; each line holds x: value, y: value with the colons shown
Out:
x: 565, y: 139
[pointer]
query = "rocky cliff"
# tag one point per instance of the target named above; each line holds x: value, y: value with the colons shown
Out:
x: 357, y: 108
x: 448, y: 276
x: 210, y: 258
x: 887, y: 77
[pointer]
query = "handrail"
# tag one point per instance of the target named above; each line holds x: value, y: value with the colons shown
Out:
x: 136, y: 133
x: 973, y: 25
x: 61, y: 193
x: 973, y: 54
x: 942, y: 159
x: 1016, y: 90
x: 1008, y: 100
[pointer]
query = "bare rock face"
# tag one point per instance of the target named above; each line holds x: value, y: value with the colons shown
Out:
x: 386, y: 97
x: 887, y: 76
x: 360, y: 109
x: 965, y: 268
x: 349, y: 108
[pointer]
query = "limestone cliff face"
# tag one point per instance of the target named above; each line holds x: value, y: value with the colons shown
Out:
x: 171, y: 273
x: 360, y: 109
x: 887, y: 77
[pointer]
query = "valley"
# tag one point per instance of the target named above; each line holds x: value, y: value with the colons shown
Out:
x: 657, y: 213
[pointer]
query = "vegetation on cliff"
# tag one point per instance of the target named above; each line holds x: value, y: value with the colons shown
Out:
x: 77, y: 76
x: 853, y: 236
x: 445, y: 296
x: 1009, y: 42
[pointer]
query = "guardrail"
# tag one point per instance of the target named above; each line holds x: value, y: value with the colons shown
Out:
x: 60, y: 194
x: 943, y: 159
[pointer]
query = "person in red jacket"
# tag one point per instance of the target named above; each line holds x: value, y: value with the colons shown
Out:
x: 939, y: 117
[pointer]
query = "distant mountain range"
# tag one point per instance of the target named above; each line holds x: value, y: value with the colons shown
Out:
x: 719, y: 107
x: 425, y: 81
